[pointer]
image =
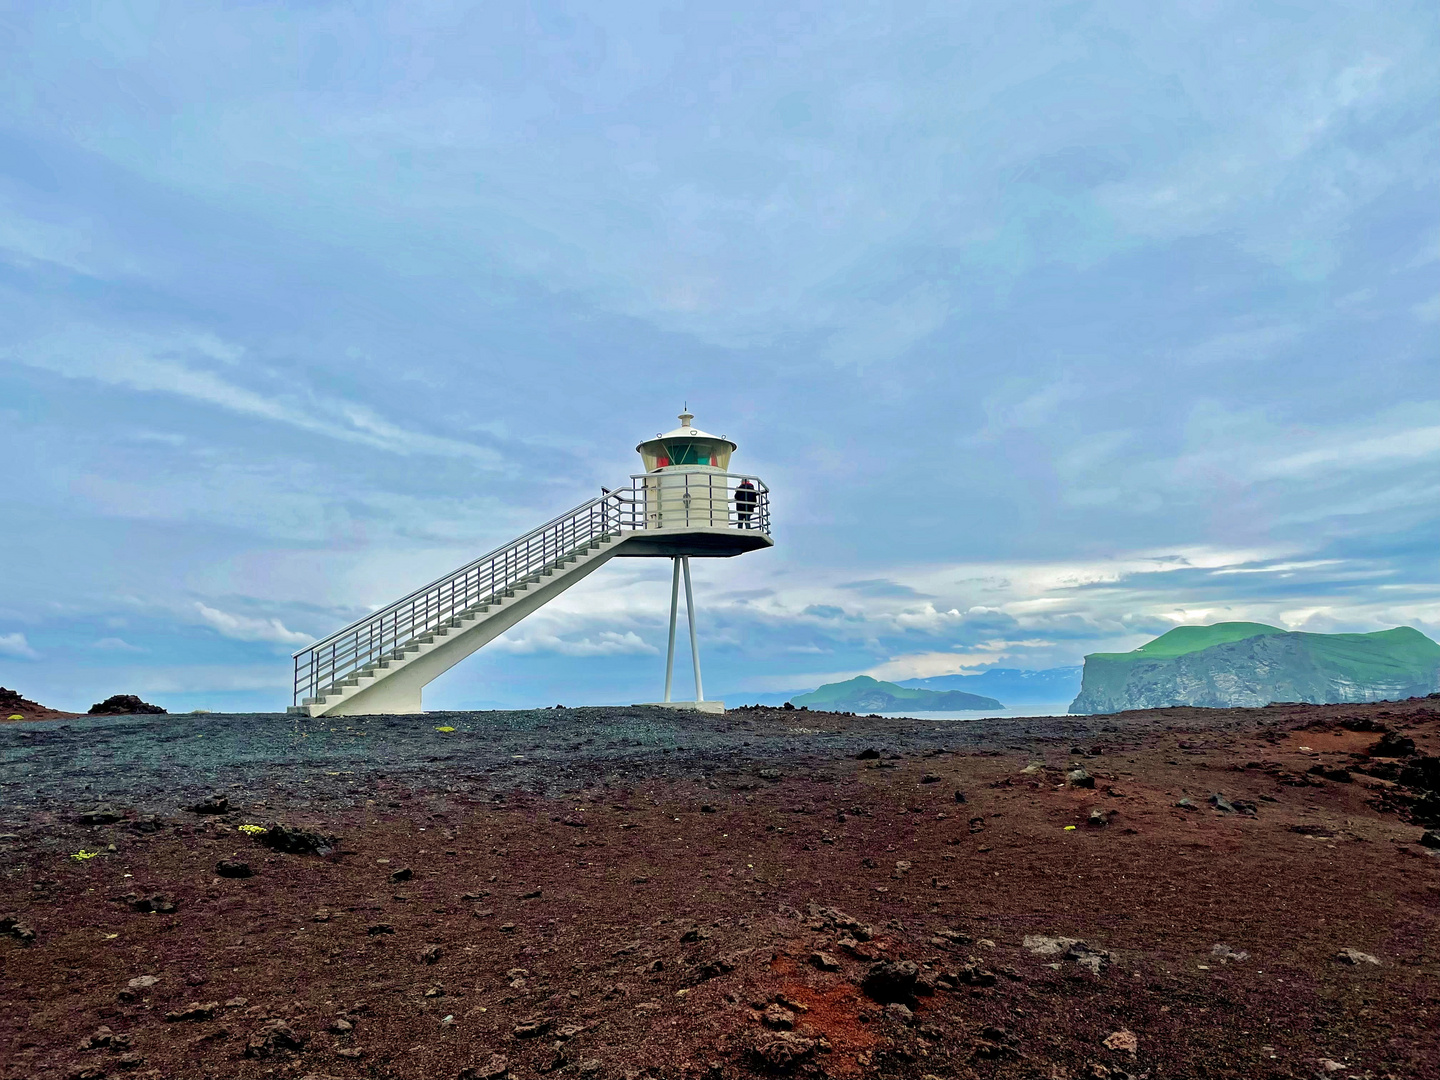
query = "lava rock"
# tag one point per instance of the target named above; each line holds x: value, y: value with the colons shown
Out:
x: 1221, y: 803
x: 1430, y: 839
x: 931, y: 778
x: 891, y: 981
x: 1353, y: 956
x: 11, y: 924
x: 532, y: 1028
x: 1080, y: 778
x: 282, y: 838
x: 494, y: 1068
x: 824, y: 961
x: 194, y: 1011
x: 125, y: 705
x: 101, y: 815
x: 778, y: 1018
x: 782, y: 1052
x: 868, y: 754
x: 403, y: 874
x: 429, y: 955
x: 1392, y: 745
x: 275, y: 1039
x: 230, y: 868
x: 379, y: 928
x: 211, y: 804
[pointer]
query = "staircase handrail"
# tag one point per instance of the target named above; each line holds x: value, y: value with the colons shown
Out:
x: 367, y: 640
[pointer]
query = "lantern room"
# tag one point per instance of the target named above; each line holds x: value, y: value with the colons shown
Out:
x: 684, y: 446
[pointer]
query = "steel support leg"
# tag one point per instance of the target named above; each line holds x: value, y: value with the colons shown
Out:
x: 694, y: 642
x: 674, y: 604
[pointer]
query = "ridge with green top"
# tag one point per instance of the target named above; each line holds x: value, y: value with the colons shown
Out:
x: 1244, y: 664
x: 864, y: 694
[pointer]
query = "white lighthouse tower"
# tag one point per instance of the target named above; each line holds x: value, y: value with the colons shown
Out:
x: 694, y: 506
x: 685, y: 504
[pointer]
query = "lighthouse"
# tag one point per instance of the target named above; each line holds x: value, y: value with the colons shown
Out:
x: 694, y: 506
x: 685, y: 504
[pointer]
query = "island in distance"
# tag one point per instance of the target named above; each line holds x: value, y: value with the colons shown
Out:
x: 1249, y: 665
x: 864, y: 694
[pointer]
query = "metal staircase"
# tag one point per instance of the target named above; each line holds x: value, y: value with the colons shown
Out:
x: 380, y: 663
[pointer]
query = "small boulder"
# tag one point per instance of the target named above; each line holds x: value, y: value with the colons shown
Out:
x: 275, y: 1039
x: 782, y: 1052
x: 429, y: 955
x: 532, y: 1028
x: 230, y: 868
x: 1224, y: 805
x: 1123, y: 1040
x: 211, y: 804
x: 1080, y: 778
x: 104, y: 814
x: 1392, y: 745
x: 892, y: 980
x: 282, y: 838
x: 1353, y: 956
x: 1431, y: 838
x: 778, y: 1018
x: 403, y: 874
x: 493, y: 1068
x: 194, y: 1011
x: 824, y: 961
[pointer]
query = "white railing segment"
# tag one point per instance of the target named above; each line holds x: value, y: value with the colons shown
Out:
x: 322, y: 667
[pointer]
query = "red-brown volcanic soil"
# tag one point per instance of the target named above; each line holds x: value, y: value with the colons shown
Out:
x: 738, y: 922
x: 12, y: 705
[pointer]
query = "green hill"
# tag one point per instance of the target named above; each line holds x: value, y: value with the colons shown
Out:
x: 864, y: 694
x: 1252, y: 664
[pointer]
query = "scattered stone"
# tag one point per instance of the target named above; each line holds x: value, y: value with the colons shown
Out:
x: 1224, y: 805
x: 768, y: 774
x: 1330, y: 1065
x: 494, y: 1068
x: 533, y: 894
x: 532, y: 1028
x: 1188, y: 803
x: 507, y: 927
x: 429, y: 955
x: 321, y: 915
x: 824, y: 961
x: 782, y: 1052
x: 1392, y: 745
x: 290, y: 841
x: 931, y: 778
x: 1122, y: 1040
x: 977, y: 824
x: 959, y: 796
x: 194, y: 1011
x: 11, y: 924
x: 892, y: 980
x: 1431, y: 838
x: 104, y: 814
x: 156, y: 903
x: 1350, y: 955
x: 1099, y: 818
x: 1224, y: 953
x: 706, y: 808
x: 1080, y: 778
x: 275, y: 1039
x: 354, y: 1053
x: 868, y: 754
x: 229, y: 868
x: 403, y: 874
x: 1048, y: 946
x: 778, y: 1018
x: 900, y: 1013
x: 129, y: 1060
x: 211, y: 804
x: 380, y: 928
x: 974, y: 975
x: 693, y: 935
x: 143, y: 982
x: 101, y: 1037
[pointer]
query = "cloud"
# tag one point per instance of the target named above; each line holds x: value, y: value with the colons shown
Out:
x: 605, y: 643
x: 16, y: 645
x: 115, y: 644
x: 176, y: 364
x: 248, y: 628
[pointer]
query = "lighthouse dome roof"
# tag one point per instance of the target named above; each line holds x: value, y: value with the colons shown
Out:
x: 686, y: 430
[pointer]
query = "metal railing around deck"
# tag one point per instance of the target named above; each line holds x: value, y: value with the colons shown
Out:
x: 678, y: 500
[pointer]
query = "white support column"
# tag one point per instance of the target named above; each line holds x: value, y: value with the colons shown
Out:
x: 674, y: 605
x: 694, y: 642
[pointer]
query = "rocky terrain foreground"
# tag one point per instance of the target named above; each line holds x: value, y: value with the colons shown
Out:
x: 611, y: 893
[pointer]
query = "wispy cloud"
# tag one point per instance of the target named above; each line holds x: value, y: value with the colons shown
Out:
x: 249, y: 628
x: 183, y: 365
x: 16, y: 645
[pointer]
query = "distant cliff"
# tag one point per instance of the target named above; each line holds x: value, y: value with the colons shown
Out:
x: 864, y: 694
x: 1251, y: 664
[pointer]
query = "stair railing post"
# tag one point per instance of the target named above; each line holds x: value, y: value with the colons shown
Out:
x: 694, y: 641
x: 674, y: 606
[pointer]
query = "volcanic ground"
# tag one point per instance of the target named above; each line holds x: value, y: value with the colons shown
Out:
x: 636, y: 893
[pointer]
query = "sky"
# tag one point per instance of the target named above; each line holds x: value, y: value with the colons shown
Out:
x: 1051, y: 326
